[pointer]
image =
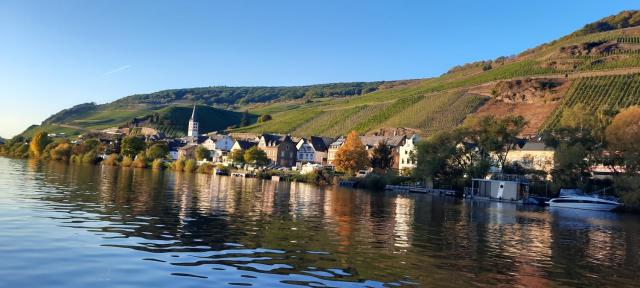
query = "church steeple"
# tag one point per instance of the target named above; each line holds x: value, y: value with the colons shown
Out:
x: 193, y: 124
x: 193, y: 113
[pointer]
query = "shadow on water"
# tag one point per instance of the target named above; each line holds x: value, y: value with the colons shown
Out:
x: 233, y: 231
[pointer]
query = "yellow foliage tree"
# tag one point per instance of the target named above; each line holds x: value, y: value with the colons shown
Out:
x: 351, y: 156
x: 623, y: 135
x: 38, y: 142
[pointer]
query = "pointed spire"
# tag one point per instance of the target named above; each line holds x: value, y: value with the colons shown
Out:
x: 193, y: 114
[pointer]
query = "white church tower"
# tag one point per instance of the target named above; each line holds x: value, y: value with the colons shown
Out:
x: 193, y: 124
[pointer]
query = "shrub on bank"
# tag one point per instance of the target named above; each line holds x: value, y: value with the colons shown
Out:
x: 75, y: 159
x: 157, y: 164
x: 628, y: 189
x: 89, y: 158
x: 112, y: 160
x: 61, y: 152
x: 206, y: 168
x: 140, y: 161
x: 178, y: 165
x: 126, y: 161
x: 223, y: 169
x: 190, y: 165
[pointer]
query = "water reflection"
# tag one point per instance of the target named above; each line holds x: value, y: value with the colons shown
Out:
x: 193, y: 229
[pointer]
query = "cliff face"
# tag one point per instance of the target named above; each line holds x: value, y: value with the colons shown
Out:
x: 539, y: 90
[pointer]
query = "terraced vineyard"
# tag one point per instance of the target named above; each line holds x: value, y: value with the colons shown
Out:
x: 340, y: 121
x: 596, y: 92
x: 438, y: 111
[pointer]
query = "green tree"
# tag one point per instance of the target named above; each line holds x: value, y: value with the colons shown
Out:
x: 495, y: 137
x: 256, y: 156
x: 38, y: 143
x: 157, y: 151
x: 351, y: 156
x: 237, y: 156
x: 381, y: 157
x: 576, y: 148
x: 132, y: 145
x: 442, y: 156
x: 202, y: 153
x: 264, y: 118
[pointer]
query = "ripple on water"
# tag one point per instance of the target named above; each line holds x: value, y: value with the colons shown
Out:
x: 79, y: 226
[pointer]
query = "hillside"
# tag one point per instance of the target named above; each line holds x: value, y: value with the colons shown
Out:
x: 597, y: 65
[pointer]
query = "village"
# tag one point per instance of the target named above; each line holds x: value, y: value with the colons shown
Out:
x: 224, y: 152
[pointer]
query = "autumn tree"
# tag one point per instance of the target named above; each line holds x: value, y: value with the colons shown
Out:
x: 256, y: 156
x: 381, y: 157
x: 351, y: 156
x: 623, y: 135
x: 39, y: 141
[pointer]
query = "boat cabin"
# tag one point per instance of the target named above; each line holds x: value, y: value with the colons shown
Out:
x: 500, y: 188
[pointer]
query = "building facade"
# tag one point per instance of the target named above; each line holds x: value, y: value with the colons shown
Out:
x: 407, y: 153
x: 333, y: 149
x: 306, y: 153
x: 281, y: 150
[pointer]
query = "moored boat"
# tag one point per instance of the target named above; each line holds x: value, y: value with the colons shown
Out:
x: 583, y: 202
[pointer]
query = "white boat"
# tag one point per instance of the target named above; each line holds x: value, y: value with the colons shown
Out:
x: 583, y: 202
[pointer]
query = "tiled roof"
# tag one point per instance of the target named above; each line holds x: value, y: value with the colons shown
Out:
x: 245, y: 144
x: 320, y: 143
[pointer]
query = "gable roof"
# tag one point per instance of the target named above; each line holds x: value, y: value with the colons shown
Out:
x: 533, y: 146
x: 320, y: 143
x: 244, y: 144
x: 271, y: 140
x: 373, y: 140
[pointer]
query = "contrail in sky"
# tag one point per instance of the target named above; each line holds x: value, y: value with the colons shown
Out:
x: 119, y: 69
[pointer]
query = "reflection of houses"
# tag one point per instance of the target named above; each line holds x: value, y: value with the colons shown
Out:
x: 407, y: 153
x: 532, y: 155
x: 281, y: 150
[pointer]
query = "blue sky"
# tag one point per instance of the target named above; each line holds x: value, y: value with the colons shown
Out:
x: 55, y: 54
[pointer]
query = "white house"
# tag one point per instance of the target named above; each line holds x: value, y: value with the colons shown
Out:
x: 306, y: 153
x: 219, y: 146
x: 408, y: 152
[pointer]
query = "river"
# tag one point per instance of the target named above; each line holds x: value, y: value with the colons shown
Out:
x: 90, y: 226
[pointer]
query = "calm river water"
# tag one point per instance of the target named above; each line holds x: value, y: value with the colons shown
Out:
x: 86, y: 226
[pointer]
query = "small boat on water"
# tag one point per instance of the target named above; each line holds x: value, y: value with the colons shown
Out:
x: 583, y: 202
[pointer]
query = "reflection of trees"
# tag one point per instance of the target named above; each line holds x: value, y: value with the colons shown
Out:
x: 371, y: 235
